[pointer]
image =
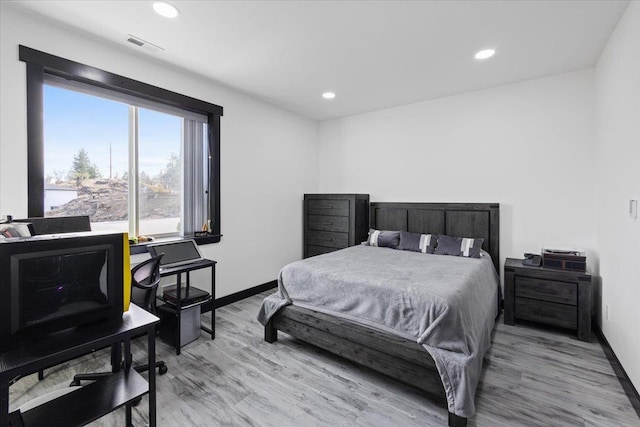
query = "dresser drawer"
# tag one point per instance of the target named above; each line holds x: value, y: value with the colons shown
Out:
x: 546, y: 290
x: 329, y: 223
x: 334, y: 221
x: 319, y: 250
x: 328, y: 239
x: 565, y: 316
x: 328, y: 207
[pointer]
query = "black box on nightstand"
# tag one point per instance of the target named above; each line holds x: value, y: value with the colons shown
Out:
x: 564, y: 260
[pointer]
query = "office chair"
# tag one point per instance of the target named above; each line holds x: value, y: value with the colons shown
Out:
x: 57, y: 225
x: 145, y: 278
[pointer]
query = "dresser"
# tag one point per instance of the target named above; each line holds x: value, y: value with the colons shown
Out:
x: 553, y: 297
x: 334, y: 221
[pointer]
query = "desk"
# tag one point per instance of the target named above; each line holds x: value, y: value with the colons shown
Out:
x: 92, y: 401
x: 187, y: 268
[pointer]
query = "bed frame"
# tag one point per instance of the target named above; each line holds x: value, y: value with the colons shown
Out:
x: 396, y: 357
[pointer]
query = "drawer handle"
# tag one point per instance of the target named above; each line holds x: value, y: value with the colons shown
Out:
x: 326, y: 207
x: 327, y: 223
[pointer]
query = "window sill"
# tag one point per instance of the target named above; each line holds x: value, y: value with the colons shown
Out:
x: 205, y: 240
x: 141, y: 248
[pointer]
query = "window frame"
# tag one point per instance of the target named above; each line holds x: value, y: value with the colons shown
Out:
x: 40, y: 63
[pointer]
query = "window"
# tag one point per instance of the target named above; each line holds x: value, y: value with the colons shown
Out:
x: 125, y: 162
x: 132, y: 156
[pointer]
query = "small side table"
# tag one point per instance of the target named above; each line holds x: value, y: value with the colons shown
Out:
x: 554, y: 297
x: 178, y: 307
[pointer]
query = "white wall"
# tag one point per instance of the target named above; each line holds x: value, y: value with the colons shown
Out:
x: 527, y: 146
x: 617, y: 170
x: 268, y: 154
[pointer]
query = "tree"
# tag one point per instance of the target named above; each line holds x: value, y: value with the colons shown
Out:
x: 82, y: 168
x: 144, y: 179
x: 58, y: 175
x: 170, y: 176
x: 56, y: 178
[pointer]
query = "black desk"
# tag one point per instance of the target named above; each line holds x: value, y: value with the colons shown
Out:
x: 92, y: 401
x: 178, y: 307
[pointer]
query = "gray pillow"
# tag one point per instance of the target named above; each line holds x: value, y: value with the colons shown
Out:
x: 459, y: 246
x: 416, y: 242
x: 384, y: 238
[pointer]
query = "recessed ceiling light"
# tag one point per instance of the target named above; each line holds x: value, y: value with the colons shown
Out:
x: 165, y: 9
x: 328, y: 95
x: 484, y: 54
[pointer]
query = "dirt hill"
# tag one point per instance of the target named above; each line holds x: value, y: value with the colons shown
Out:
x: 107, y: 200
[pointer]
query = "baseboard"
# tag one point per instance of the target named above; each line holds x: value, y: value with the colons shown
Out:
x: 624, y: 379
x: 230, y: 299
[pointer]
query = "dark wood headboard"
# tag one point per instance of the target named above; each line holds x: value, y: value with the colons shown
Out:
x: 453, y: 219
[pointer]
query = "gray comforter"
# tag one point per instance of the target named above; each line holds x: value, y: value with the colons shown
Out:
x: 446, y: 303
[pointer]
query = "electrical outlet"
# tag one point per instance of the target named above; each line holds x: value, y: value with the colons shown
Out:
x: 607, y: 311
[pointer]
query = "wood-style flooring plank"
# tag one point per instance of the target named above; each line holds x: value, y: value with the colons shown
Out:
x: 532, y: 377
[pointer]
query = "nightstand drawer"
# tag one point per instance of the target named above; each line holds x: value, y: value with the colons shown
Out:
x: 329, y: 223
x: 327, y: 238
x: 546, y: 290
x: 565, y: 316
x: 319, y: 250
x: 329, y: 207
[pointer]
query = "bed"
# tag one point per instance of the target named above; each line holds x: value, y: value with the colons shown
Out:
x: 422, y: 356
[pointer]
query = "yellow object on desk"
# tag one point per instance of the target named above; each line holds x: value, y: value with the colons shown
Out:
x: 126, y: 272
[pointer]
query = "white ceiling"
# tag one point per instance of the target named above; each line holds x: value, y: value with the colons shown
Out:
x: 372, y: 54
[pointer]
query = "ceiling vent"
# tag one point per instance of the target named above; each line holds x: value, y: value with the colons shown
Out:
x: 144, y: 44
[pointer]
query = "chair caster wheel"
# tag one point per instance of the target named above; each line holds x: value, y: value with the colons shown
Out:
x: 162, y: 369
x: 136, y: 401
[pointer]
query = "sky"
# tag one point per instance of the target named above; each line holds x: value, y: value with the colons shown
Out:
x: 74, y: 120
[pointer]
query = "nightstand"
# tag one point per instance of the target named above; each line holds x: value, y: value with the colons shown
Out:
x: 554, y: 297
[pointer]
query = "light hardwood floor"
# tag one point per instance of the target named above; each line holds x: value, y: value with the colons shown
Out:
x: 531, y: 377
